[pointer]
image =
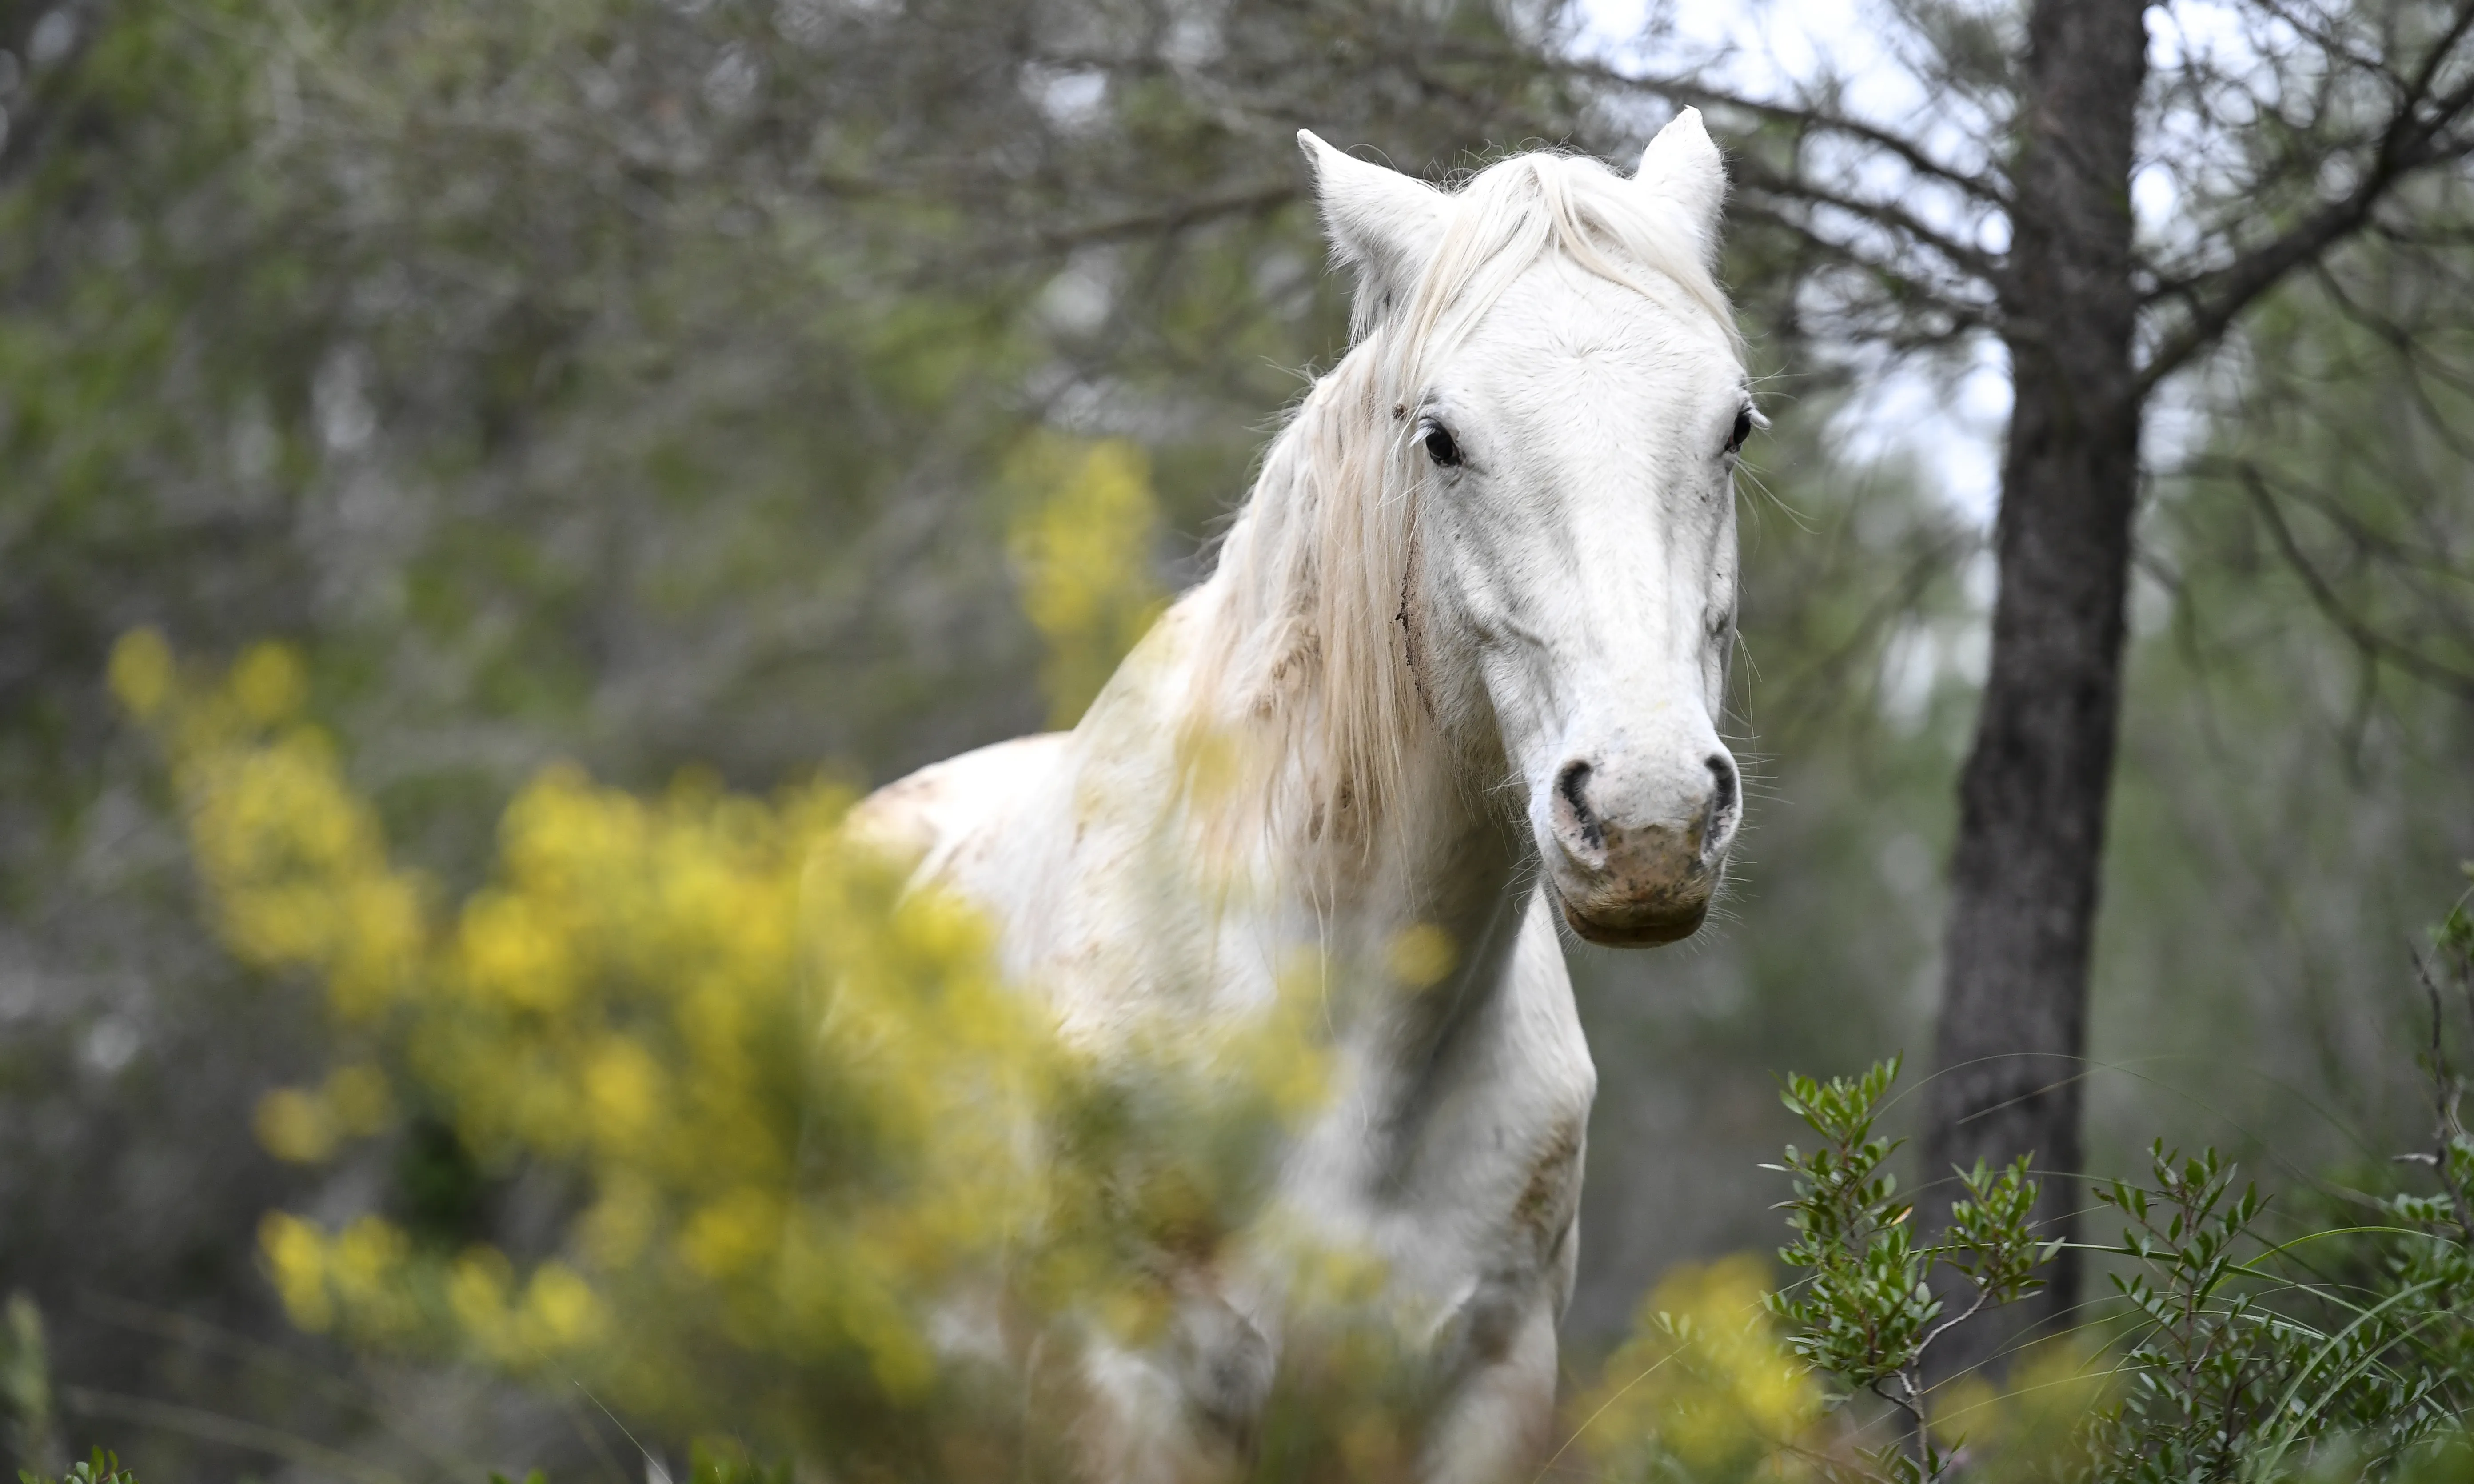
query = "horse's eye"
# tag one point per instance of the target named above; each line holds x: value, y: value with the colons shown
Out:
x: 1440, y: 445
x: 1743, y: 429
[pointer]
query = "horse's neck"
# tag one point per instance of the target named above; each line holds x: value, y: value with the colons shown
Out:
x: 1450, y: 851
x: 1452, y: 859
x: 1302, y: 608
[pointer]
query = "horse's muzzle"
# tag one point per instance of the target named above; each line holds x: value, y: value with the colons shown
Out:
x: 1633, y: 883
x: 1622, y: 918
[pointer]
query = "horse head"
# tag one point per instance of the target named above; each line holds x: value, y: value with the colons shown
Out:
x: 1566, y: 400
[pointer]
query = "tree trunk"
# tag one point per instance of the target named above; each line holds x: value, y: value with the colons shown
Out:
x: 2013, y: 1028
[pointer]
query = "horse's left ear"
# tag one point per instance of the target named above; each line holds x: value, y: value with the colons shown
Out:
x: 1382, y: 223
x: 1682, y: 165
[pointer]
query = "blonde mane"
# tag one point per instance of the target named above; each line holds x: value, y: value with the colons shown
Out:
x: 1304, y: 685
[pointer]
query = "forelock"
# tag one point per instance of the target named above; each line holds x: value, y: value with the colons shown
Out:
x: 1509, y: 214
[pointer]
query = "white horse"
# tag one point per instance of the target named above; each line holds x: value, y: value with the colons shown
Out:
x: 1457, y: 670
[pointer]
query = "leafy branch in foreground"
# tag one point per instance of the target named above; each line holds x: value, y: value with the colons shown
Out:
x: 2202, y: 1370
x: 2235, y: 1366
x: 102, y: 1467
x: 1866, y: 1312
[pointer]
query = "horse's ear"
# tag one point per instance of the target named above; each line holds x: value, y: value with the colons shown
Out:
x: 1382, y: 223
x: 1682, y: 165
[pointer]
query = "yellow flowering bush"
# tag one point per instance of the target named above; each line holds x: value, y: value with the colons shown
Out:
x: 1706, y: 1388
x: 809, y: 1154
x: 2032, y: 1427
x: 1083, y: 546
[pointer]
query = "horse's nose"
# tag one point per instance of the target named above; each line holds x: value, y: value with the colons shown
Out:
x: 1639, y: 853
x: 1593, y: 833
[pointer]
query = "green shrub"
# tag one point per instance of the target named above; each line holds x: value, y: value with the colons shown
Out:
x: 2345, y: 1352
x: 100, y: 1467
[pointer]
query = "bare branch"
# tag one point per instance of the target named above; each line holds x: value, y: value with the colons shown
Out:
x: 2446, y: 1092
x: 2410, y: 142
x: 2365, y: 637
x: 1975, y: 261
x: 1174, y: 217
x: 1986, y: 189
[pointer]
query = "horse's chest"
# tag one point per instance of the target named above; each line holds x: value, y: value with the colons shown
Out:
x: 1467, y: 1177
x: 1490, y: 1201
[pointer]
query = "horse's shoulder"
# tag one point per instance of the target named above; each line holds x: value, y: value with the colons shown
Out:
x: 917, y: 816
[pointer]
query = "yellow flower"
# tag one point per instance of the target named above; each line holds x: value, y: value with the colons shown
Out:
x: 2030, y: 1429
x: 296, y: 1258
x: 561, y: 1310
x: 1422, y: 955
x: 614, y: 1231
x: 295, y: 1125
x: 358, y: 1099
x: 1083, y: 549
x: 1704, y: 1381
x: 476, y: 1296
x: 141, y: 671
x: 798, y: 1108
x: 511, y: 953
x: 733, y: 1234
x: 269, y: 684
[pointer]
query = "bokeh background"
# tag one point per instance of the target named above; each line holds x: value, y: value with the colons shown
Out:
x: 664, y: 385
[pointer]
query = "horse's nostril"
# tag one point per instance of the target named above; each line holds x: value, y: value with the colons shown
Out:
x: 1722, y: 771
x: 1572, y: 786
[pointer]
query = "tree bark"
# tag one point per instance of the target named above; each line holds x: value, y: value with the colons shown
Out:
x: 2013, y: 1031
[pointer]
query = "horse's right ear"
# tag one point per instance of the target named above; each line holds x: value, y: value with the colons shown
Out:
x: 1380, y: 222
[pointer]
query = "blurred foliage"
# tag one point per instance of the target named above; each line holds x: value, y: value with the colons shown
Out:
x: 101, y: 1467
x: 762, y: 1229
x: 26, y: 1384
x: 1704, y: 1389
x: 2291, y: 753
x: 1084, y: 545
